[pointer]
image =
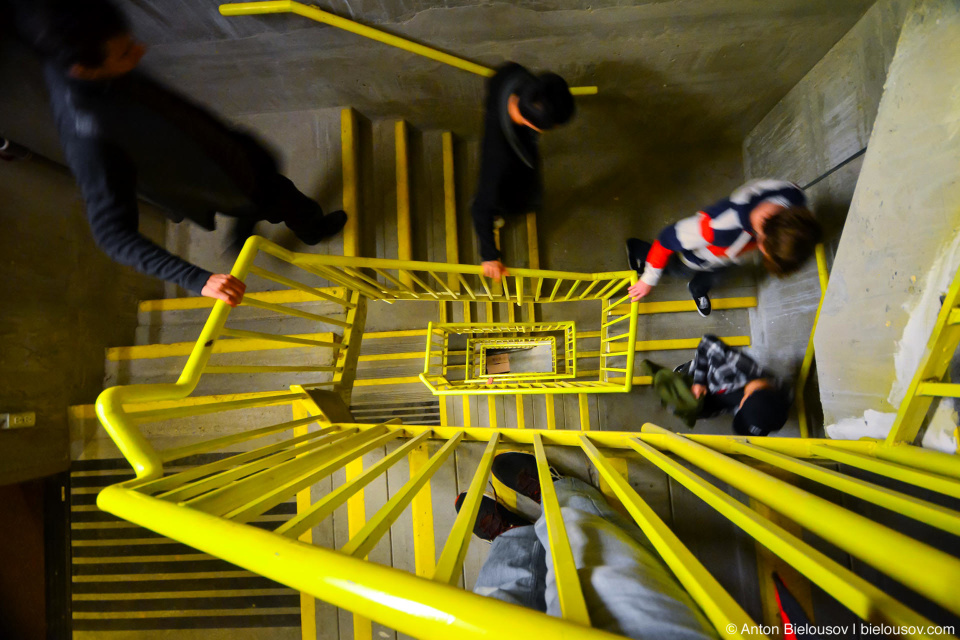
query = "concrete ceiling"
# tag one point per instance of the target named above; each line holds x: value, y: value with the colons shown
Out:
x: 668, y: 70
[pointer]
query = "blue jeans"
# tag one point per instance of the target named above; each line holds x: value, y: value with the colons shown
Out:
x: 627, y: 587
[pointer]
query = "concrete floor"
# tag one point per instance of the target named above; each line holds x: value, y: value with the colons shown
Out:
x: 64, y: 300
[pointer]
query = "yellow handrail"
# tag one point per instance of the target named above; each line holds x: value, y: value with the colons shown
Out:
x: 415, y: 606
x: 483, y: 335
x: 139, y: 453
x: 932, y: 368
x: 823, y: 275
x: 431, y: 609
x: 325, y: 17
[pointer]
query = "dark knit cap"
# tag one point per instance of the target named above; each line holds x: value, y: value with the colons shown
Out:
x: 546, y: 102
x: 764, y: 410
x: 71, y: 32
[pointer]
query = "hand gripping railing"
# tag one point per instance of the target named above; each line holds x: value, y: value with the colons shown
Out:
x: 122, y: 408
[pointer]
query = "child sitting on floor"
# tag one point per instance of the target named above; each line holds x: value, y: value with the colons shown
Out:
x: 722, y: 379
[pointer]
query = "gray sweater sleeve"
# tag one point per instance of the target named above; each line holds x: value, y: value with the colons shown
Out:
x: 107, y: 181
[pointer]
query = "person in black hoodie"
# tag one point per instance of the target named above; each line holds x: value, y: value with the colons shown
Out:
x: 124, y: 135
x: 518, y: 107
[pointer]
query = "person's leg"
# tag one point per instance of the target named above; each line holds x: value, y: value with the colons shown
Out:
x: 281, y: 201
x: 515, y: 569
x: 627, y: 587
x: 699, y: 287
x: 714, y: 405
x: 637, y: 253
x: 701, y: 283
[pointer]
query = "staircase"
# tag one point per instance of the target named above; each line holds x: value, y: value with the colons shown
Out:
x: 412, y: 189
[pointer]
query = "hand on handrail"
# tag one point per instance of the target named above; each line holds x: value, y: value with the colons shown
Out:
x: 494, y: 269
x: 224, y: 286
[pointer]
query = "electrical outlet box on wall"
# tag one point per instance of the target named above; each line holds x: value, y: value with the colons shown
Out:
x: 18, y: 420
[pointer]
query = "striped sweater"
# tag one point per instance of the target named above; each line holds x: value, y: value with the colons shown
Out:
x: 720, y: 234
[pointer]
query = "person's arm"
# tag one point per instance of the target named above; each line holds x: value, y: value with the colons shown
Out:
x: 684, y: 235
x: 749, y: 367
x: 483, y: 211
x: 107, y: 181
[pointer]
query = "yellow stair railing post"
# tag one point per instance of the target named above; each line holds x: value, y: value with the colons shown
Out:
x: 933, y: 367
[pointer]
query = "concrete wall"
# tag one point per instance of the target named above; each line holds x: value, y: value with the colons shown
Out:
x: 63, y: 303
x: 904, y: 216
x: 823, y: 120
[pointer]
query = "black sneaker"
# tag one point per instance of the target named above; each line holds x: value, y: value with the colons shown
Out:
x: 517, y: 471
x: 493, y: 518
x: 637, y: 253
x: 320, y: 228
x: 703, y: 303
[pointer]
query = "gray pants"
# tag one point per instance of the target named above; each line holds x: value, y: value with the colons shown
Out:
x: 627, y: 587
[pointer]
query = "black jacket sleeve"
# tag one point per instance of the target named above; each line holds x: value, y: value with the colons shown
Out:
x: 483, y: 210
x: 107, y: 181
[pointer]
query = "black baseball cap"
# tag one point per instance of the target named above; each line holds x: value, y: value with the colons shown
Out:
x: 763, y: 411
x: 546, y: 101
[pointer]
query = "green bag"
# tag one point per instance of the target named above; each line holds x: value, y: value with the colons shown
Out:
x: 674, y: 391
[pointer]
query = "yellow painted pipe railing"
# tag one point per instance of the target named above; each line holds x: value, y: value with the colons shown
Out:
x: 823, y: 276
x: 211, y: 506
x: 120, y: 423
x: 325, y: 17
x: 927, y: 382
x: 220, y: 507
x: 447, y: 372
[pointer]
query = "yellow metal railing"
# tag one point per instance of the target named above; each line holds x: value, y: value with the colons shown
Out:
x: 452, y: 372
x: 325, y: 17
x: 478, y: 367
x: 823, y: 276
x: 927, y: 382
x: 122, y: 408
x: 208, y: 507
x: 220, y: 507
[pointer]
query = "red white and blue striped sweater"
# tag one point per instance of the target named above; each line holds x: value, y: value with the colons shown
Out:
x: 720, y: 234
